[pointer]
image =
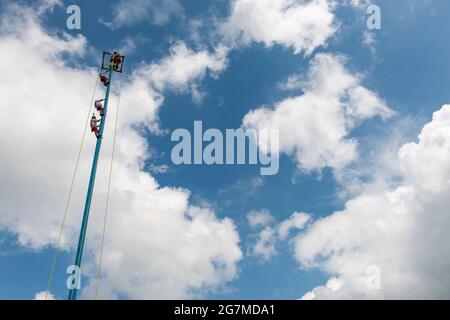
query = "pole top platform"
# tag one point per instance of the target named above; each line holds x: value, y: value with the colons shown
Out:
x: 109, y: 64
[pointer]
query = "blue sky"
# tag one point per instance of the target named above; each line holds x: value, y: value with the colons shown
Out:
x: 407, y: 67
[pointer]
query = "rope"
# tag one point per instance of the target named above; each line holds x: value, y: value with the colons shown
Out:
x: 107, y: 195
x: 50, y: 280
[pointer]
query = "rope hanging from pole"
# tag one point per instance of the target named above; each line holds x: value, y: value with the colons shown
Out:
x: 69, y: 196
x: 108, y: 193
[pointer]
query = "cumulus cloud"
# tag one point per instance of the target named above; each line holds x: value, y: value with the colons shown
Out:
x: 394, y: 231
x: 259, y: 218
x: 181, y: 69
x: 131, y: 12
x: 315, y: 126
x: 265, y: 244
x: 300, y: 25
x: 157, y: 245
x: 43, y: 296
x: 332, y: 285
x: 297, y: 221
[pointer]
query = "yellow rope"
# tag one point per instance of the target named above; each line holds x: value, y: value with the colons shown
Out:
x: 70, y: 195
x: 107, y: 195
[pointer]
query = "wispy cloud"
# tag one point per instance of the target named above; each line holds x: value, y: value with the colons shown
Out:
x: 132, y: 12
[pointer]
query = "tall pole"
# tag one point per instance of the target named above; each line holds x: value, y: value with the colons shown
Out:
x: 87, y: 205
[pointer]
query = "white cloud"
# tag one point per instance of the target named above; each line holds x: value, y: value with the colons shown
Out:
x: 131, y: 12
x: 180, y: 71
x: 264, y: 246
x: 43, y: 296
x: 401, y: 228
x: 43, y: 6
x: 315, y: 127
x: 157, y: 244
x: 170, y: 250
x: 182, y: 66
x: 332, y: 285
x: 268, y: 238
x: 300, y: 25
x: 369, y: 39
x: 293, y: 82
x: 297, y: 221
x: 261, y: 218
x: 163, y: 168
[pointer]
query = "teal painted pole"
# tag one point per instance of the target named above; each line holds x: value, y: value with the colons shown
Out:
x: 87, y: 206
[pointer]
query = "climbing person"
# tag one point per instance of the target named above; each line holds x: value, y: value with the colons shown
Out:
x: 99, y: 106
x: 116, y: 60
x: 94, y: 126
x: 104, y: 79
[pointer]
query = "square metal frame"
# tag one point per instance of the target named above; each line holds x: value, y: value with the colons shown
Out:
x: 107, y: 67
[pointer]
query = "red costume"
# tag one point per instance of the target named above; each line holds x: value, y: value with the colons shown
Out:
x: 104, y: 79
x: 98, y: 105
x: 94, y: 126
x: 116, y: 60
